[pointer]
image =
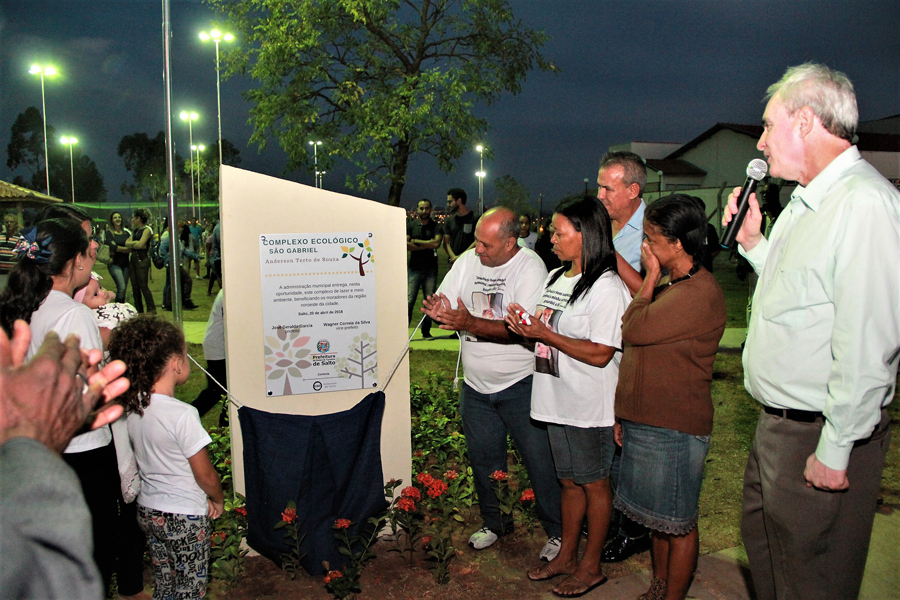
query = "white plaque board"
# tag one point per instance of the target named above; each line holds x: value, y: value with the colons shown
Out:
x: 318, y: 301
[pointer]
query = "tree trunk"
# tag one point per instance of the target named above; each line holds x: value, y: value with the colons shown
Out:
x: 398, y: 172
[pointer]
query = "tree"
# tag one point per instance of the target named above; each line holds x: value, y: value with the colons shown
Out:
x: 26, y: 150
x: 378, y: 80
x: 209, y: 167
x: 145, y: 159
x: 513, y: 195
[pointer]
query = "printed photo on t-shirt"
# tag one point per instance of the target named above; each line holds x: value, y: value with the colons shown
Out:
x: 486, y: 306
x: 546, y: 358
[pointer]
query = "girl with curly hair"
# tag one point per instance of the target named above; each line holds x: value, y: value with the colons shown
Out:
x: 180, y: 491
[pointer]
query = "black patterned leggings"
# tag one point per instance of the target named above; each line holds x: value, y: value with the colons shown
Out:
x: 179, y: 547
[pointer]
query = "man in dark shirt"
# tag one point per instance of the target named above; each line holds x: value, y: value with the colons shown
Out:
x: 422, y: 241
x: 459, y: 227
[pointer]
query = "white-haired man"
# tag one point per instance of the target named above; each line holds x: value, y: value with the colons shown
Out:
x: 823, y: 344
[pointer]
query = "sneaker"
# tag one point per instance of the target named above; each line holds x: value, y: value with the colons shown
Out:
x: 483, y: 538
x: 427, y: 336
x: 550, y: 549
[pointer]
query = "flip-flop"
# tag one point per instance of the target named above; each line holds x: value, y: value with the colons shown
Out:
x: 584, y: 591
x: 544, y: 573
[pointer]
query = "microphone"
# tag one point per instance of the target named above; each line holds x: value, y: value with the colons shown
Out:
x: 756, y: 171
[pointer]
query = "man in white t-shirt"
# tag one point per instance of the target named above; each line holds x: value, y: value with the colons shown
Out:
x: 496, y: 394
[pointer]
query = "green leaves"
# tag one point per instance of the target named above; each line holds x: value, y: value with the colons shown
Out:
x: 377, y: 80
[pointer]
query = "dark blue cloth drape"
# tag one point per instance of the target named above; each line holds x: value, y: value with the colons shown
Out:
x: 329, y: 465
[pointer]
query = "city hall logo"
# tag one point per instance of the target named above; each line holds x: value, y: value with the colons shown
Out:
x: 322, y: 346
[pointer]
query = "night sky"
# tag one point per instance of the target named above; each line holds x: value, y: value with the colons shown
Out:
x: 629, y: 71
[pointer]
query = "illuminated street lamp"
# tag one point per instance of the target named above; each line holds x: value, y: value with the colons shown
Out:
x: 48, y: 71
x: 190, y: 117
x: 70, y: 141
x: 217, y: 36
x: 200, y: 148
x: 315, y: 145
x: 480, y: 174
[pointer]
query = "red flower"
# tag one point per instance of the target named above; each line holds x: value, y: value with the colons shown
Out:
x: 499, y: 476
x: 241, y: 510
x: 406, y: 504
x: 418, y: 454
x: 218, y: 537
x: 527, y: 496
x: 289, y: 515
x: 332, y: 575
x: 424, y: 478
x: 342, y: 523
x: 451, y: 475
x: 426, y: 540
x: 411, y: 492
x: 436, y: 488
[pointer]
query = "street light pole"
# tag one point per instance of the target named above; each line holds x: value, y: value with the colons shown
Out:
x: 190, y: 118
x: 480, y: 174
x: 49, y: 71
x: 315, y: 145
x: 199, y: 148
x: 216, y: 36
x: 70, y: 141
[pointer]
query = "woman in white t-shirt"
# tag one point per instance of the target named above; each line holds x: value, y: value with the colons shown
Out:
x: 578, y: 335
x: 180, y: 490
x: 55, y: 258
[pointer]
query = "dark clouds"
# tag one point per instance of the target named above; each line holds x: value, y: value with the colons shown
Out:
x: 649, y: 71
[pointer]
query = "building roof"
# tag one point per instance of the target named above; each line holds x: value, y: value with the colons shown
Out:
x: 753, y: 131
x: 10, y: 192
x: 674, y: 167
x: 867, y: 142
x: 878, y: 142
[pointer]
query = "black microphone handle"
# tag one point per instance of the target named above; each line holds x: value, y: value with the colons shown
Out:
x: 738, y: 218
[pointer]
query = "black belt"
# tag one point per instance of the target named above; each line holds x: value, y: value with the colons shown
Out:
x: 792, y: 414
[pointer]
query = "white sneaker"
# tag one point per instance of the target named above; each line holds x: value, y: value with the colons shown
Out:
x: 483, y: 538
x: 550, y: 549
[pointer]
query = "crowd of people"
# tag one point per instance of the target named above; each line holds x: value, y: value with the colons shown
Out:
x: 600, y: 370
x: 144, y: 479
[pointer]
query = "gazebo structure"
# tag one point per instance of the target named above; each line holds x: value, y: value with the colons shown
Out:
x: 22, y: 201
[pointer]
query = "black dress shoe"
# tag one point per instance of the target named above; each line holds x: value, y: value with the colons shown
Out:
x: 189, y: 305
x: 621, y: 547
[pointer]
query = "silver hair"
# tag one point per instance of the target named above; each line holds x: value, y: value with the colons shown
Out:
x: 827, y: 92
x: 635, y: 170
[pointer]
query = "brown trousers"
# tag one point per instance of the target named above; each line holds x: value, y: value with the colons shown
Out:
x: 803, y: 542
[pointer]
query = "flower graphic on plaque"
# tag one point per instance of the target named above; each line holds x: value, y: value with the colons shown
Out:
x: 285, y: 356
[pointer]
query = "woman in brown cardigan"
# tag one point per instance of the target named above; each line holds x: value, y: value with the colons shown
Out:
x: 671, y: 332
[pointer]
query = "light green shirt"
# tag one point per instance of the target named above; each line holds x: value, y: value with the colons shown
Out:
x: 824, y: 334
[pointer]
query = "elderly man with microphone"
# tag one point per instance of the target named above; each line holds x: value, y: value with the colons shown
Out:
x: 823, y: 345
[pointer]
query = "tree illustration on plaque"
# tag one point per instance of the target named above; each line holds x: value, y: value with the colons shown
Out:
x: 285, y: 357
x: 365, y: 255
x: 362, y: 360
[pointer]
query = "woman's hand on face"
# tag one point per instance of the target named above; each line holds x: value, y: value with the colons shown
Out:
x: 520, y: 322
x: 648, y: 259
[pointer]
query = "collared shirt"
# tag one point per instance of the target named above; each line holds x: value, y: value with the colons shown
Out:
x: 628, y: 241
x: 825, y: 329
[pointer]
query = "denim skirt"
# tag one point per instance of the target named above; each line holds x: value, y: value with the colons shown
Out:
x: 660, y: 477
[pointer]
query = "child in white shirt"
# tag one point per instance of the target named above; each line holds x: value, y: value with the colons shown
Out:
x: 180, y: 491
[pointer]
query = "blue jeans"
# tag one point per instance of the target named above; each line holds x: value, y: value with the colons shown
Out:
x: 486, y: 420
x: 427, y: 282
x: 120, y: 277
